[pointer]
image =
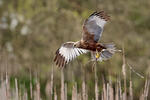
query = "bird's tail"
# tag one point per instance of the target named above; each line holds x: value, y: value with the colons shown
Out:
x: 105, y: 54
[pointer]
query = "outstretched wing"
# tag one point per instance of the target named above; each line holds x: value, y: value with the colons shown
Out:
x: 93, y: 26
x: 66, y: 53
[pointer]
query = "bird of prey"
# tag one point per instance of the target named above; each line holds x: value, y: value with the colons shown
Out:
x: 92, y: 32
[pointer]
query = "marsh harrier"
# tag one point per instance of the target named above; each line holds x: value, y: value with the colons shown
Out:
x: 92, y: 31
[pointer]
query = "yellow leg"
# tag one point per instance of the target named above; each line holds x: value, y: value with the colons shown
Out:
x: 97, y: 54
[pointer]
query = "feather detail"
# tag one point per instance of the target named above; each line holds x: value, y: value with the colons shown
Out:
x: 66, y: 53
x: 93, y: 26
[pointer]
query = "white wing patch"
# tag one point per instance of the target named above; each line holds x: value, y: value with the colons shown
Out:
x: 66, y: 53
x: 98, y: 21
x: 71, y: 53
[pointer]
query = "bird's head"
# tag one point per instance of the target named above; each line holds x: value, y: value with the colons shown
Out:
x: 77, y: 44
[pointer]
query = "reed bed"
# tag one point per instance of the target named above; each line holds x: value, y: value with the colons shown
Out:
x: 108, y: 92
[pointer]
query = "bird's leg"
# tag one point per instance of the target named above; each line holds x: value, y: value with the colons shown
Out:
x: 97, y: 54
x: 93, y: 66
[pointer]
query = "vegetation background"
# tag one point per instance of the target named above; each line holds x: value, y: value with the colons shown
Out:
x: 32, y: 30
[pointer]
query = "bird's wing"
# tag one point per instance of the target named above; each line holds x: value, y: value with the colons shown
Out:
x: 66, y: 53
x: 93, y: 26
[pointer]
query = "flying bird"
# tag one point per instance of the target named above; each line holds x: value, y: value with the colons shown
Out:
x: 92, y: 32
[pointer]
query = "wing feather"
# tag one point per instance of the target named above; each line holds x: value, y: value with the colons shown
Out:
x: 93, y: 26
x: 66, y: 53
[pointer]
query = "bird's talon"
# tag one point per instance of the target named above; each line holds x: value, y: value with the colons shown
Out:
x: 97, y: 54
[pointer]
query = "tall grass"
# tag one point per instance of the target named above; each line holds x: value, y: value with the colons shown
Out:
x: 108, y: 92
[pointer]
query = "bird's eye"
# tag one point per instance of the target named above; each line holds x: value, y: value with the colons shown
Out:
x: 74, y: 45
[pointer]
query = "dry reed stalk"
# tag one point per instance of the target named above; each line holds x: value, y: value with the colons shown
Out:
x: 146, y: 89
x: 148, y: 86
x: 35, y: 95
x: 131, y: 90
x: 55, y: 94
x: 104, y: 92
x: 25, y: 95
x: 142, y: 97
x: 3, y: 90
x: 107, y: 92
x: 62, y: 85
x: 16, y: 86
x: 84, y: 91
x: 38, y: 91
x: 20, y: 93
x: 48, y: 90
x: 51, y: 87
x: 7, y: 87
x: 96, y: 91
x: 138, y: 74
x: 111, y: 92
x: 124, y: 75
x: 79, y: 96
x: 124, y: 63
x: 117, y: 92
x: 102, y: 97
x: 96, y: 82
x: 124, y: 96
x: 120, y: 91
x: 31, y: 88
x: 86, y: 95
x: 74, y: 92
x: 65, y: 91
x: 31, y: 91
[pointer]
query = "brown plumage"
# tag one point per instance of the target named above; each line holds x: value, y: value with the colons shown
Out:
x: 92, y: 31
